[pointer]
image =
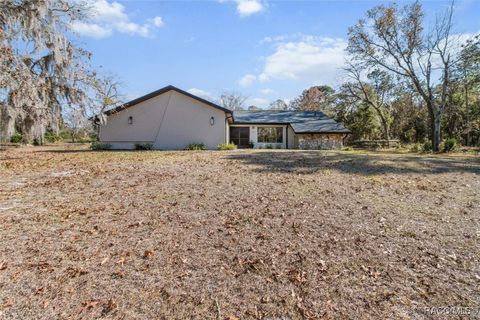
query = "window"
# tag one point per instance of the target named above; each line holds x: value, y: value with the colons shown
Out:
x: 270, y: 134
x: 240, y: 136
x: 130, y: 120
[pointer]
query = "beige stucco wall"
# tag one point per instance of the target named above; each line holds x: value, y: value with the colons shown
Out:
x: 168, y: 121
x: 319, y: 141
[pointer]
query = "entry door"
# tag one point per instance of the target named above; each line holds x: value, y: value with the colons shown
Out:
x: 240, y: 136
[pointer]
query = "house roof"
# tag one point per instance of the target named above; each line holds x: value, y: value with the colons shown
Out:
x: 300, y: 121
x: 159, y: 92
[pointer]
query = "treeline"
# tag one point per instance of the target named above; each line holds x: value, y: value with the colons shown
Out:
x: 404, y: 82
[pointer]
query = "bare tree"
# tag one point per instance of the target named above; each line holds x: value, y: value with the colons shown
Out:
x: 394, y: 39
x: 278, y: 104
x: 37, y: 77
x: 466, y: 79
x: 106, y: 95
x: 232, y: 100
x: 375, y: 90
x: 76, y: 121
x: 316, y: 98
x: 103, y: 94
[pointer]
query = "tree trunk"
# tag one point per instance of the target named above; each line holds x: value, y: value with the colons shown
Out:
x: 466, y: 104
x: 432, y: 119
x: 55, y: 120
x: 7, y: 123
x: 27, y: 129
x: 385, y: 124
x: 33, y: 130
x: 386, y: 131
x: 437, y: 121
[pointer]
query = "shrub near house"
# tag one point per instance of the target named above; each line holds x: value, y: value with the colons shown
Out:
x: 195, y: 146
x: 227, y: 146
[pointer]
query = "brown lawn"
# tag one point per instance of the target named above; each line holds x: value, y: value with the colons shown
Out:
x: 236, y: 235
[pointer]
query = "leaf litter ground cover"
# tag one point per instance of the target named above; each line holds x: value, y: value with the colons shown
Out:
x: 270, y: 234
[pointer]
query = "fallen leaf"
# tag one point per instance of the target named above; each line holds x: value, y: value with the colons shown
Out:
x: 147, y: 254
x: 90, y: 304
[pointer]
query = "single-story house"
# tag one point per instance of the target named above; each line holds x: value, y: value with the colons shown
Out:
x: 171, y: 118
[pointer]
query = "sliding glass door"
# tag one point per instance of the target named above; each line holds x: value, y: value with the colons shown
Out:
x: 240, y: 136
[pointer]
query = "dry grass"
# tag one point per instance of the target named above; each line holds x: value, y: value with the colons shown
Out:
x: 241, y: 234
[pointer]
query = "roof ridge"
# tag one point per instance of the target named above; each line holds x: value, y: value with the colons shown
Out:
x: 162, y: 91
x: 278, y: 111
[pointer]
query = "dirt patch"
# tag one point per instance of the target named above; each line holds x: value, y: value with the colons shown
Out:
x: 246, y: 234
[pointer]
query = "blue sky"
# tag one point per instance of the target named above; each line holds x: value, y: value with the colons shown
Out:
x: 263, y: 49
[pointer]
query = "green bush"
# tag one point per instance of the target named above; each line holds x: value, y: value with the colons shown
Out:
x: 449, y: 144
x: 347, y: 149
x: 227, y: 146
x: 415, y: 147
x: 195, y: 146
x: 143, y: 146
x: 65, y: 134
x: 100, y: 146
x: 427, y: 146
x: 16, y: 137
x: 51, y: 137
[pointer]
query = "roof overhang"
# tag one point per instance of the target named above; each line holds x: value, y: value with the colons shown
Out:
x: 162, y: 91
x: 262, y: 123
x: 324, y: 132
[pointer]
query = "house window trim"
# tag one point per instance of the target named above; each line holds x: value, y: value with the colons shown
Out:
x: 280, y: 130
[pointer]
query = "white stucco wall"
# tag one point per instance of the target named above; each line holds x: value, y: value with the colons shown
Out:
x: 291, y: 138
x: 169, y: 121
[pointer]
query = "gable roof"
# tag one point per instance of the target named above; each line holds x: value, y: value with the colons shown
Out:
x: 300, y: 121
x: 162, y: 91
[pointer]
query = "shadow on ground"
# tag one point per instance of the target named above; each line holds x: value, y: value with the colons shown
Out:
x: 307, y: 162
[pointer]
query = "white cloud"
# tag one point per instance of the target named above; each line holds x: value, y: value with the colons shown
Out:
x: 91, y: 29
x: 267, y: 91
x: 247, y: 80
x: 158, y: 22
x: 280, y: 38
x: 247, y: 7
x: 111, y: 16
x: 201, y: 93
x: 133, y: 29
x: 308, y: 58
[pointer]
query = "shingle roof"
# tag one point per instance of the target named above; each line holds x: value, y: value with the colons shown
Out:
x: 300, y: 121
